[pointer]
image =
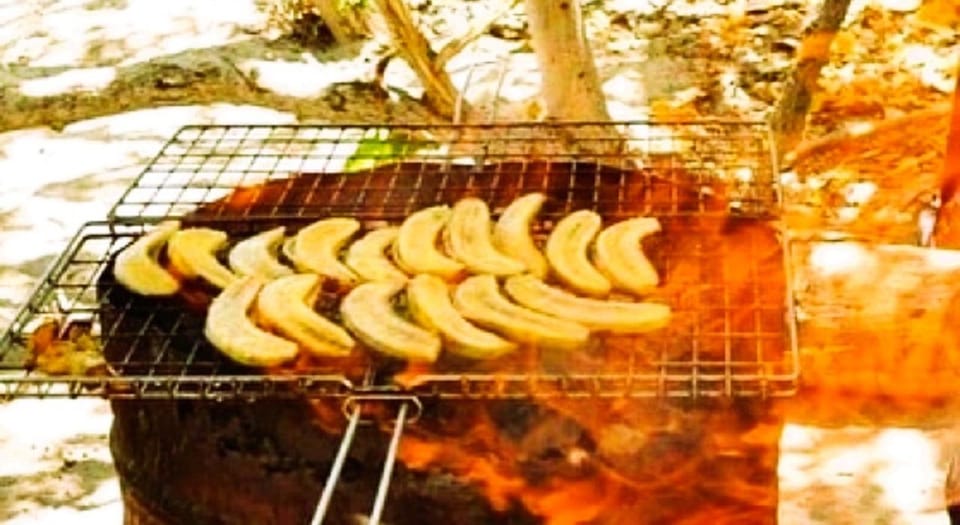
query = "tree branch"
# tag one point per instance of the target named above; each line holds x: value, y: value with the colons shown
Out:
x: 409, y: 42
x: 346, y: 24
x: 455, y: 46
x: 790, y: 117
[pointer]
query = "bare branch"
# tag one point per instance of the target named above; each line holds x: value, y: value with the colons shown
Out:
x: 346, y: 24
x: 790, y: 117
x: 455, y: 46
x: 408, y: 40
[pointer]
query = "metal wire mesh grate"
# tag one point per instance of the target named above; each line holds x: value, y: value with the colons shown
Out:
x: 204, y: 163
x: 724, y: 270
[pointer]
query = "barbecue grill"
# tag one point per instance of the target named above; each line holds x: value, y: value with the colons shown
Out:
x: 730, y: 339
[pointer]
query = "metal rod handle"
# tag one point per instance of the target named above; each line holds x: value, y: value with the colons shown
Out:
x: 334, y: 477
x: 384, y: 487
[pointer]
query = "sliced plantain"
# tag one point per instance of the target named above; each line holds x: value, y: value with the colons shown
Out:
x: 567, y: 253
x: 193, y: 253
x: 429, y: 301
x: 368, y: 256
x: 619, y: 255
x: 479, y: 299
x: 316, y: 248
x: 286, y: 248
x: 511, y: 234
x: 230, y: 330
x: 415, y: 249
x: 615, y: 316
x: 257, y: 256
x: 368, y: 313
x: 138, y: 268
x: 467, y: 239
x: 286, y: 305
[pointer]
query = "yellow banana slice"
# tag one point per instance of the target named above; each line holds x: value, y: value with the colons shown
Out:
x: 138, y: 268
x: 415, y: 249
x: 619, y: 255
x: 511, y: 234
x: 286, y: 305
x: 429, y: 301
x: 368, y: 256
x: 479, y: 299
x: 257, y: 256
x: 615, y: 316
x: 193, y: 252
x: 230, y: 330
x: 567, y: 249
x: 316, y: 248
x: 368, y: 312
x: 467, y: 239
x: 286, y: 248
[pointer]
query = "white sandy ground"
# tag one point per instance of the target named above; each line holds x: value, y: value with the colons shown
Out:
x: 54, y: 462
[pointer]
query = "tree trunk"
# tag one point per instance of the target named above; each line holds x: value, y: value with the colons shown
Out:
x: 571, y: 86
x: 790, y: 117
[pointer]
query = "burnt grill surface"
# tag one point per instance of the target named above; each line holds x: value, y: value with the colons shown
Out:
x: 723, y: 273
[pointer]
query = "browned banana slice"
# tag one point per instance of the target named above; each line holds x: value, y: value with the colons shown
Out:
x: 429, y: 301
x: 415, y: 249
x: 368, y: 256
x: 479, y: 299
x: 619, y: 255
x: 368, y: 313
x: 615, y: 316
x: 138, y: 268
x: 257, y: 256
x: 511, y: 234
x: 568, y: 253
x: 316, y: 248
x: 193, y: 253
x: 230, y: 330
x: 467, y: 239
x: 286, y: 305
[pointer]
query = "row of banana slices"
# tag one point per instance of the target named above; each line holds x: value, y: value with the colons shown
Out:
x: 475, y: 318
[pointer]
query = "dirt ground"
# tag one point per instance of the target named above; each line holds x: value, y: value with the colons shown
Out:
x: 92, y: 88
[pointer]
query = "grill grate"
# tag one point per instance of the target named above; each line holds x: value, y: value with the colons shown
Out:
x: 733, y: 332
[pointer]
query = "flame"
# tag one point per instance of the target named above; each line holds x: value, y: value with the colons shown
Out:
x: 623, y: 461
x: 563, y: 479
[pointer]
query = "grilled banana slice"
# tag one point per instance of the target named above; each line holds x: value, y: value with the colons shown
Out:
x: 567, y: 249
x: 257, y: 256
x: 429, y: 301
x: 368, y: 256
x: 285, y: 304
x: 615, y: 316
x: 511, y: 234
x: 368, y: 312
x: 479, y: 299
x: 415, y: 249
x: 316, y: 248
x: 193, y: 251
x: 286, y: 248
x: 231, y: 331
x: 137, y: 267
x: 620, y: 257
x: 467, y: 239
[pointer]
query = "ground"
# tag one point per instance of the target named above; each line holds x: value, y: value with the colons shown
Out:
x: 92, y: 89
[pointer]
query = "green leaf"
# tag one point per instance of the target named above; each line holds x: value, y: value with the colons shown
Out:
x: 384, y: 148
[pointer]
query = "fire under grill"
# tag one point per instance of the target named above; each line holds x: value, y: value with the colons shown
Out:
x: 723, y: 263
